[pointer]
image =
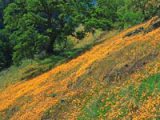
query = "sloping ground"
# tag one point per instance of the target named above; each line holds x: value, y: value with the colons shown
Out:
x: 118, y: 79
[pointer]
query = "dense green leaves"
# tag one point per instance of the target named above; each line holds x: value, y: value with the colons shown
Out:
x: 5, y: 51
x: 127, y: 16
x: 34, y: 27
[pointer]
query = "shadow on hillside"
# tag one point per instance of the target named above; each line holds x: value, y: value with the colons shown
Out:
x: 62, y: 56
x: 48, y: 63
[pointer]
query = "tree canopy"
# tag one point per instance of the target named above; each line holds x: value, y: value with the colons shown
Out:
x: 30, y: 27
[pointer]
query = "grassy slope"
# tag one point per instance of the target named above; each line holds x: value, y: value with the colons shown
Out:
x: 118, y: 79
x: 32, y: 68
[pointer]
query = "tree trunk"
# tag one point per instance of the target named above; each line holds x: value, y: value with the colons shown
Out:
x: 50, y: 46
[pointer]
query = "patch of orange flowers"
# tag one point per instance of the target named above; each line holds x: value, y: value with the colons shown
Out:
x: 39, y: 88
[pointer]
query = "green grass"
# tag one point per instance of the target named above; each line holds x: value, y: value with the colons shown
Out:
x: 10, y: 112
x: 95, y: 109
x: 32, y: 68
x: 133, y: 93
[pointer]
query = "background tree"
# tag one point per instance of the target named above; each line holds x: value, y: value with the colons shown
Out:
x: 31, y: 27
x: 148, y: 8
x: 5, y: 51
x: 5, y: 46
x: 127, y: 15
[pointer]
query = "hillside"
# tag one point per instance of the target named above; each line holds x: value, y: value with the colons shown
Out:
x: 117, y: 79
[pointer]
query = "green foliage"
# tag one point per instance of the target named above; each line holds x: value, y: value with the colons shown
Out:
x: 135, y: 94
x: 36, y: 27
x: 148, y: 8
x: 9, y: 112
x: 5, y: 51
x: 31, y: 68
x: 94, y: 110
x: 27, y: 49
x: 80, y: 34
x: 119, y: 13
x: 127, y: 16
